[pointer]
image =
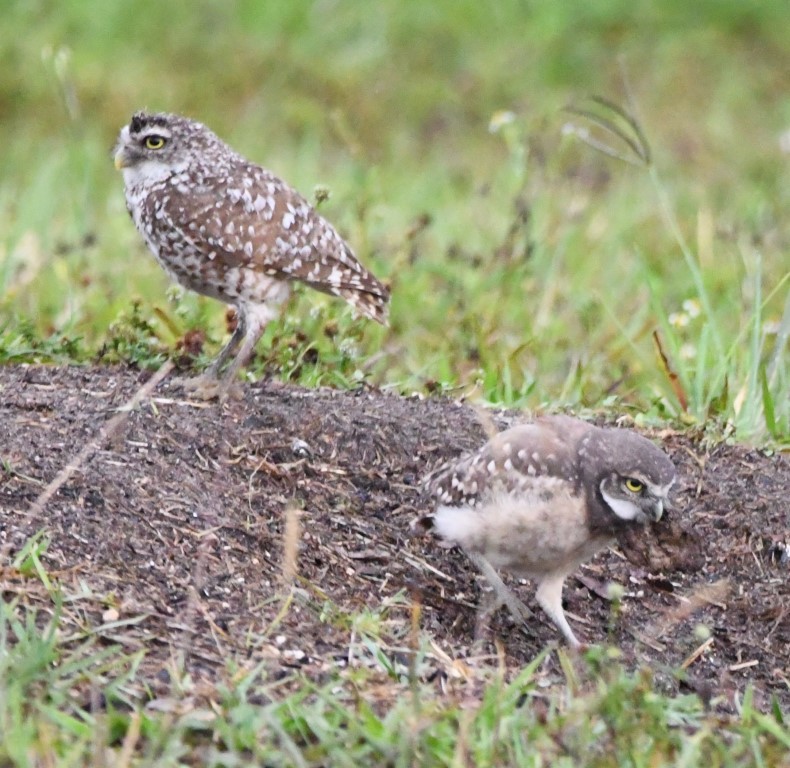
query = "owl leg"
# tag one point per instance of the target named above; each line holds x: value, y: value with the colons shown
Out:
x: 253, y: 317
x: 504, y: 596
x: 207, y: 386
x: 549, y: 597
x: 227, y: 351
x: 253, y: 320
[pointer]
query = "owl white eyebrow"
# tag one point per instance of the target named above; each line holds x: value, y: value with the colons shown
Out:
x: 154, y: 130
x: 660, y: 490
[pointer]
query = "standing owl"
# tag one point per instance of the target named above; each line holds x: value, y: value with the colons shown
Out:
x: 227, y: 228
x: 540, y: 499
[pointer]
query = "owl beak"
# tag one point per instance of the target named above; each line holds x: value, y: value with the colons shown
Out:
x: 120, y: 160
x: 658, y: 510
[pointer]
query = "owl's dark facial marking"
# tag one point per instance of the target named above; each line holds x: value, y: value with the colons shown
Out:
x: 142, y: 120
x: 151, y: 143
x: 147, y: 135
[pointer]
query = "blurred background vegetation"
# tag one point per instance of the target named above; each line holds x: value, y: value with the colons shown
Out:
x: 527, y: 267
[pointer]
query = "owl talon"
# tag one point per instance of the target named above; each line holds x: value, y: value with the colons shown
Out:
x: 208, y: 387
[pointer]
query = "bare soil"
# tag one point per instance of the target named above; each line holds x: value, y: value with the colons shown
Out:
x: 172, y: 533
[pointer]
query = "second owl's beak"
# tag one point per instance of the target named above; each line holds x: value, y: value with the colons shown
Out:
x: 120, y: 159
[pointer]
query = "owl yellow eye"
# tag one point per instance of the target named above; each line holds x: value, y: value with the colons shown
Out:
x: 635, y: 486
x: 154, y: 142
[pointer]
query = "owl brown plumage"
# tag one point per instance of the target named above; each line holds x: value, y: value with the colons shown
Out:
x: 227, y: 228
x: 540, y: 499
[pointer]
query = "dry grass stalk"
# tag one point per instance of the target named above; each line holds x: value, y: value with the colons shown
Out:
x: 291, y: 536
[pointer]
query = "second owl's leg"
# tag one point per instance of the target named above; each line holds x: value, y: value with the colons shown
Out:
x: 253, y: 318
x: 549, y: 596
x: 489, y: 604
x: 248, y: 331
x: 239, y: 332
x: 207, y: 385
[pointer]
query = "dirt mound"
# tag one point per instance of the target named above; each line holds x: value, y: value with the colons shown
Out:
x: 176, y: 526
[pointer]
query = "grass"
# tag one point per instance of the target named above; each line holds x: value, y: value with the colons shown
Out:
x: 69, y: 698
x: 528, y: 267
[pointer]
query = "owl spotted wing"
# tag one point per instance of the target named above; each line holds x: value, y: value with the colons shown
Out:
x: 256, y: 221
x: 516, y: 459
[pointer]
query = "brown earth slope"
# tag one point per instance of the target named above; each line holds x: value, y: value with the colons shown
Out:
x: 176, y: 522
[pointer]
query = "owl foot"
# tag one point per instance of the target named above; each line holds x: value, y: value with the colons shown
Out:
x: 209, y: 387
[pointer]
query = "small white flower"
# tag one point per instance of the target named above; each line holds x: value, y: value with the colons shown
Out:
x: 688, y: 351
x: 174, y: 292
x: 692, y: 307
x: 349, y: 348
x: 499, y: 119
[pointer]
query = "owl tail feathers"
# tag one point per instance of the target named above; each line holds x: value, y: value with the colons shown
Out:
x: 425, y: 524
x: 421, y: 525
x: 373, y: 305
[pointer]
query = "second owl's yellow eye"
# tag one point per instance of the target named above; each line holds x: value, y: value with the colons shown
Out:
x: 154, y: 142
x: 633, y: 485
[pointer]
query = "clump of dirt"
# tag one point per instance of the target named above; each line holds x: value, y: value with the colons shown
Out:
x: 176, y: 523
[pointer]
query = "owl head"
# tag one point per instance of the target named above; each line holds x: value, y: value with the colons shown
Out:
x: 628, y: 474
x: 156, y: 145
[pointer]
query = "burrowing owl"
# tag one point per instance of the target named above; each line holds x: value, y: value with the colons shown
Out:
x: 227, y: 228
x: 539, y: 499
